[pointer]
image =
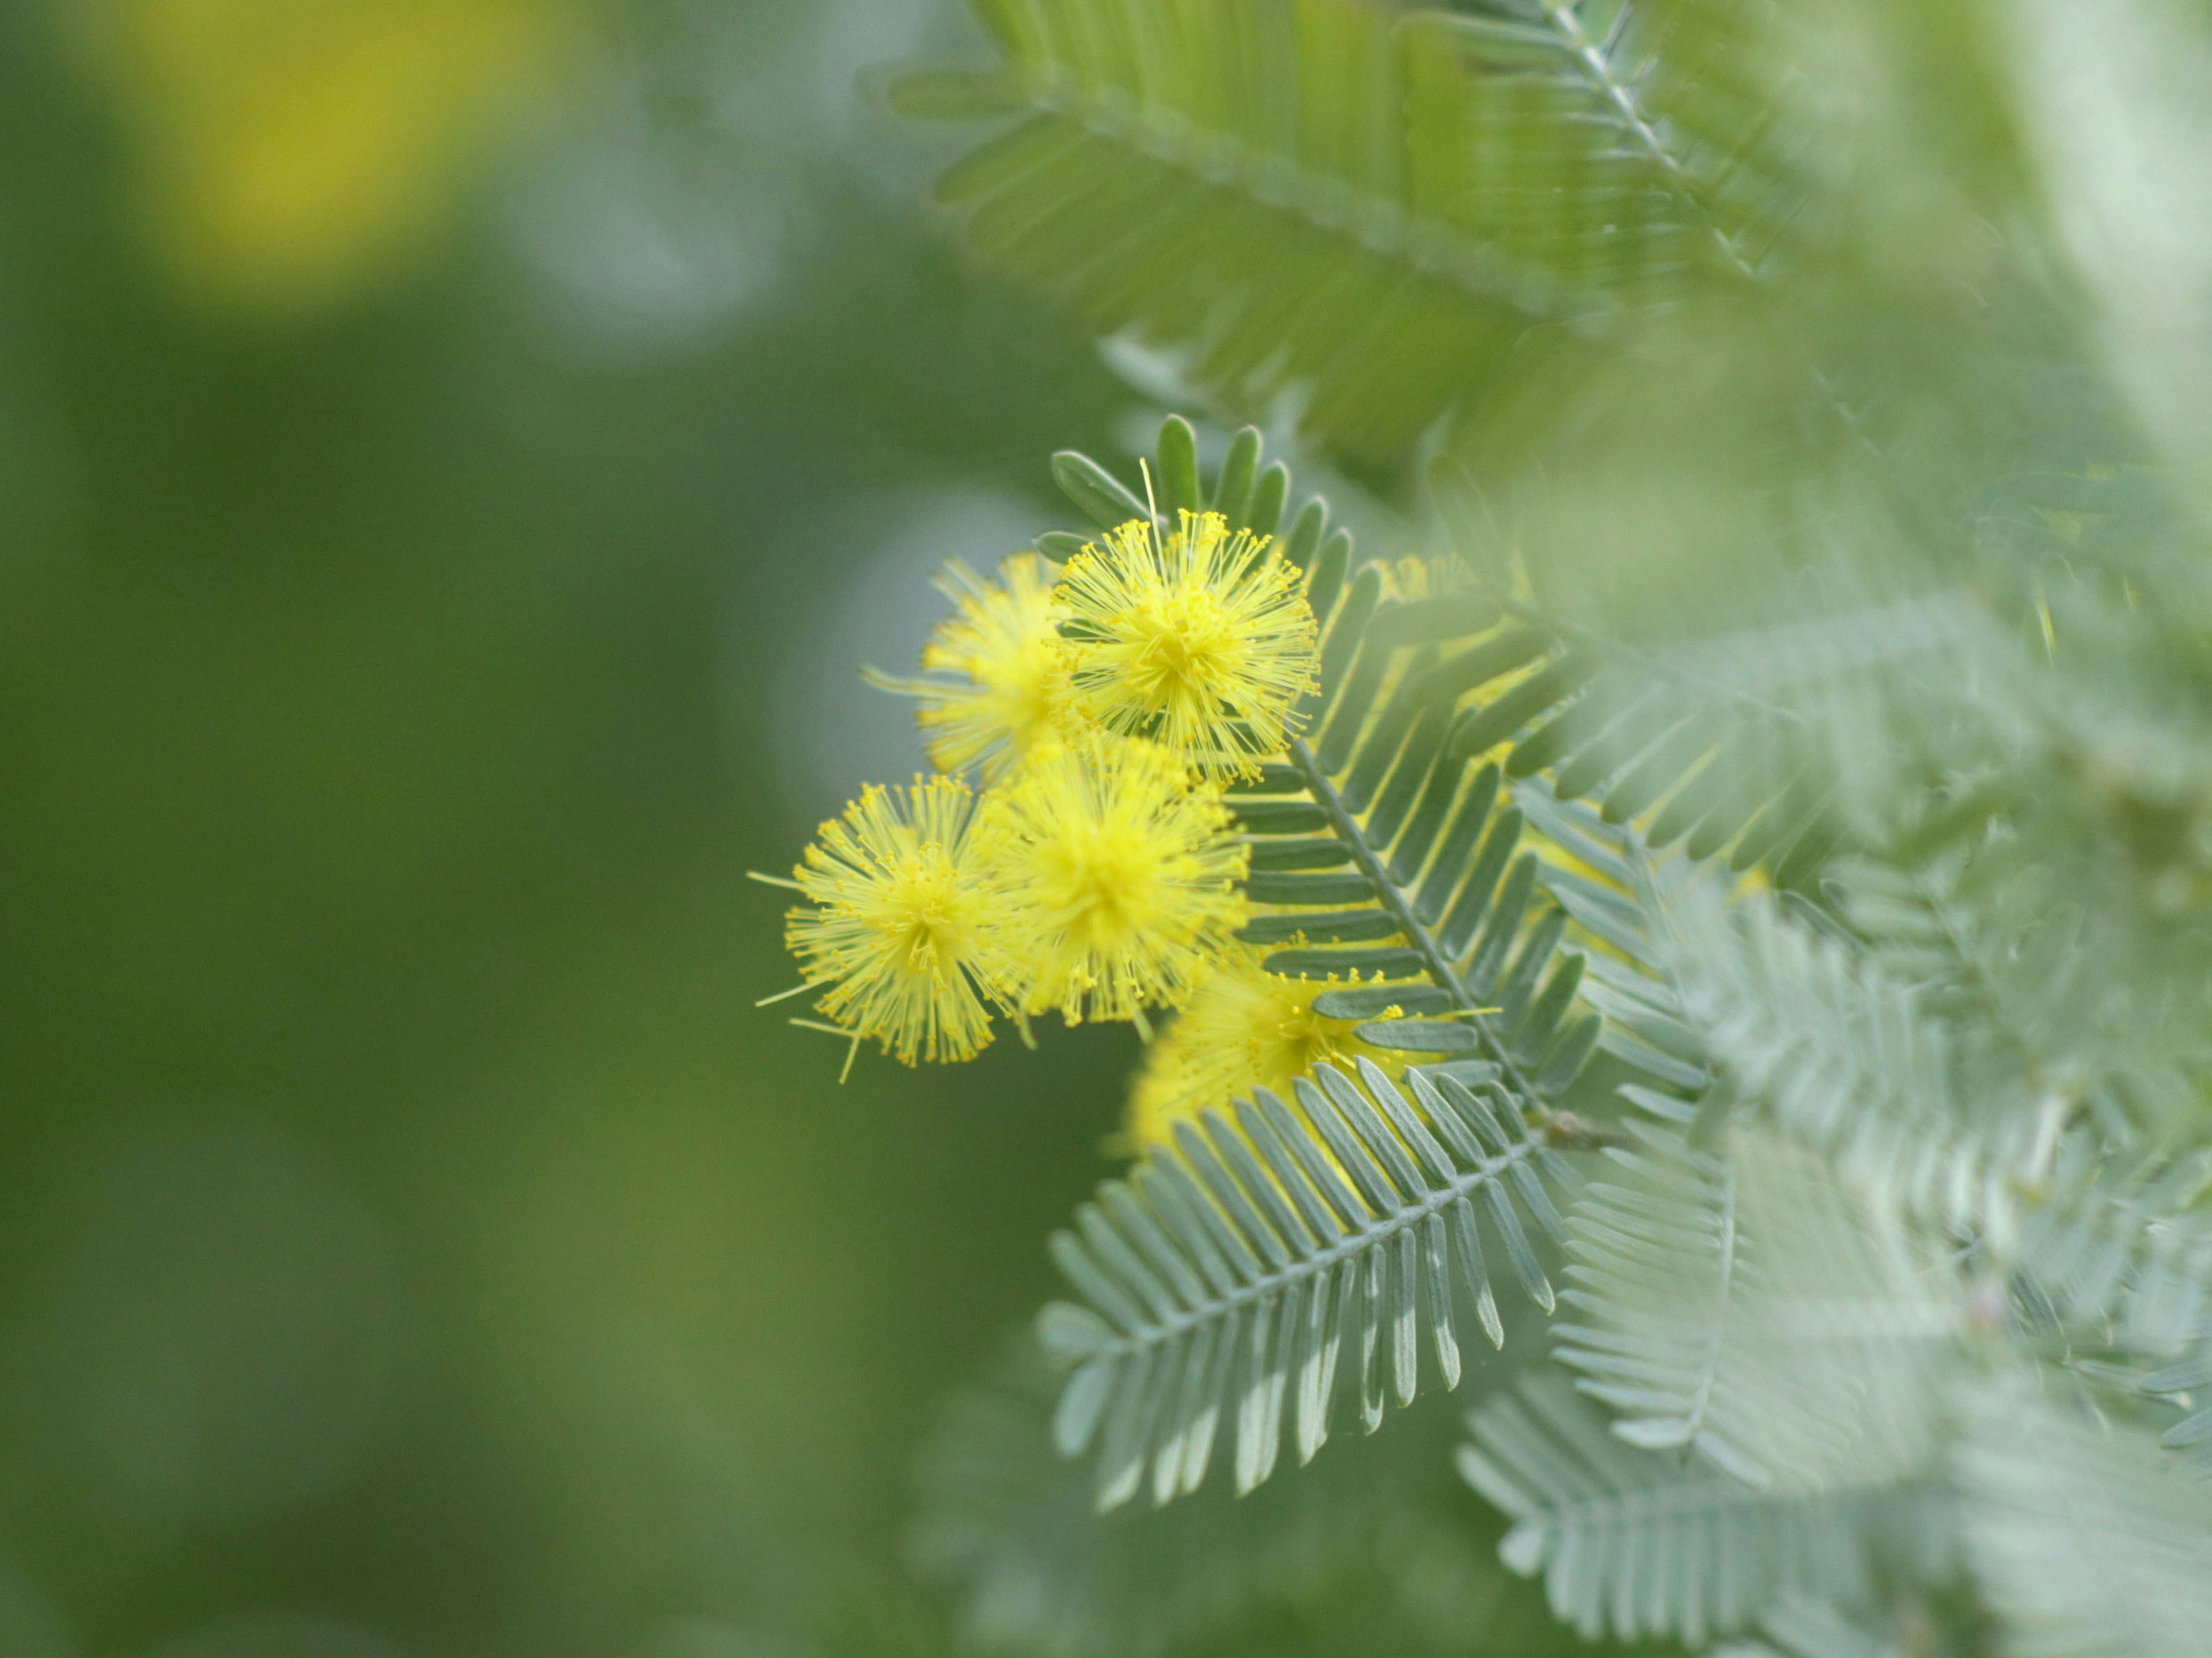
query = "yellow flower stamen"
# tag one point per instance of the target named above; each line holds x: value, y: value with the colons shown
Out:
x: 1202, y: 641
x: 1120, y: 878
x: 900, y: 931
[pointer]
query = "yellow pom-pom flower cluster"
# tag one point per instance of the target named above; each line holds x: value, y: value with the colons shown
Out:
x: 1126, y: 876
x: 1195, y: 639
x: 1012, y: 690
x: 899, y: 930
x: 1099, y: 710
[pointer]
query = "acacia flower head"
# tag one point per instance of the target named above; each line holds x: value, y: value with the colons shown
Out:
x: 1012, y: 692
x: 1200, y: 640
x: 1244, y: 1028
x: 1120, y: 876
x: 900, y: 930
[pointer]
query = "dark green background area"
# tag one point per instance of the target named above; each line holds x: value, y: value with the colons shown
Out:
x: 414, y: 1239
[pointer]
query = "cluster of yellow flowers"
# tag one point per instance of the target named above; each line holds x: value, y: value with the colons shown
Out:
x: 1100, y: 710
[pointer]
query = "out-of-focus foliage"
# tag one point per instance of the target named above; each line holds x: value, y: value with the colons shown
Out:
x: 1376, y: 1544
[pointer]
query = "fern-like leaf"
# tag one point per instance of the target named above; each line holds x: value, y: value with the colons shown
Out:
x: 2116, y: 1251
x: 1271, y: 185
x: 1634, y: 1542
x: 1226, y: 1282
x: 2085, y: 1542
x: 1736, y: 1300
x: 1369, y: 205
x: 1377, y: 1538
x: 1620, y: 141
x: 1842, y: 1054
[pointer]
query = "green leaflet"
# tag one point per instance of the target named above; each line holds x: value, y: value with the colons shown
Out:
x: 2185, y: 1386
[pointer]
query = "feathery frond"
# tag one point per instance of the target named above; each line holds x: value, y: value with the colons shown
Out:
x: 1632, y: 1543
x: 1737, y: 1301
x: 1251, y: 181
x: 1337, y: 197
x: 1377, y: 1540
x: 2086, y: 1542
x: 1619, y: 142
x: 2115, y: 1251
x: 1819, y: 1035
x: 1226, y: 1282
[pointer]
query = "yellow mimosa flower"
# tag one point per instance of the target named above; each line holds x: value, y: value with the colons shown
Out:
x: 1245, y: 1028
x: 1013, y: 665
x: 1202, y: 641
x: 900, y: 932
x: 1120, y: 875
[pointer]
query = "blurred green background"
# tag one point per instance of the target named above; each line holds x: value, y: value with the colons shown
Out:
x: 454, y: 455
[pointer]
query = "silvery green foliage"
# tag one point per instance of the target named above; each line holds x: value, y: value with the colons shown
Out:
x: 2088, y: 1542
x: 1763, y: 792
x: 1842, y: 1054
x: 1374, y: 1545
x: 1256, y: 182
x: 1739, y: 1301
x: 1228, y: 1284
x: 1801, y: 1628
x: 1635, y: 1543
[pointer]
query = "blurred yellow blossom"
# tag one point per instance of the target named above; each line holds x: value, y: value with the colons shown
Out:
x: 1245, y: 1028
x: 1004, y: 691
x: 293, y: 154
